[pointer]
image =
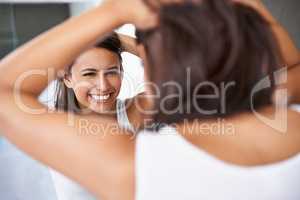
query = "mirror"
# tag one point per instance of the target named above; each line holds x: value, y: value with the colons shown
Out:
x: 21, y: 177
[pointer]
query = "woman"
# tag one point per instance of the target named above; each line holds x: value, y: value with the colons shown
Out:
x: 93, y: 82
x: 160, y: 166
x: 100, y: 69
x: 99, y: 60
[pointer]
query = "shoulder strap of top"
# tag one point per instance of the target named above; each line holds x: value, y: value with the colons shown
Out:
x: 122, y: 116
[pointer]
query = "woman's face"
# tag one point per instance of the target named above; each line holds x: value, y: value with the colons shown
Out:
x: 96, y: 78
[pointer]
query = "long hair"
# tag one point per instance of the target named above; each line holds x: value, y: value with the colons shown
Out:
x: 65, y: 99
x: 212, y: 42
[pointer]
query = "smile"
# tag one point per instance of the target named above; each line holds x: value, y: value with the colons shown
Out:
x: 100, y: 98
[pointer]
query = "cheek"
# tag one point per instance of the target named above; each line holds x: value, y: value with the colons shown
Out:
x: 116, y: 82
x: 81, y: 90
x: 81, y: 85
x: 81, y: 95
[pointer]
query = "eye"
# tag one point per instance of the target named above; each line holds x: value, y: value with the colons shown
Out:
x: 89, y: 74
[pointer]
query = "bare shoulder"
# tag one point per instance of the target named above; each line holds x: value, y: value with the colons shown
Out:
x: 269, y: 136
x: 138, y: 110
x: 254, y: 139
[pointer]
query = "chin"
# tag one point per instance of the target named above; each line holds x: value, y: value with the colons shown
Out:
x: 101, y: 109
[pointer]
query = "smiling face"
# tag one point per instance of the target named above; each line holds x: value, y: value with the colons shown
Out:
x: 96, y: 78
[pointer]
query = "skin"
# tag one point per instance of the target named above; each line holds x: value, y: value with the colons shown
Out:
x: 108, y: 169
x: 96, y: 72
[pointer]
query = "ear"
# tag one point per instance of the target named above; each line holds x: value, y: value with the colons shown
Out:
x: 68, y: 82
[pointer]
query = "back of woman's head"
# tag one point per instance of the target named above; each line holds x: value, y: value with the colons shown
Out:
x: 207, y: 57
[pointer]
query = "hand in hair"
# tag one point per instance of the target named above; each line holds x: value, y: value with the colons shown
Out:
x: 156, y: 4
x: 134, y: 12
x: 141, y: 13
x: 289, y: 52
x: 259, y: 6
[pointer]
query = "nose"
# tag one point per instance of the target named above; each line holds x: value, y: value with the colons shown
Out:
x: 102, y: 83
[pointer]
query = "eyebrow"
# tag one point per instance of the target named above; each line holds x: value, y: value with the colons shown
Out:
x: 112, y: 68
x: 95, y: 70
x: 89, y: 69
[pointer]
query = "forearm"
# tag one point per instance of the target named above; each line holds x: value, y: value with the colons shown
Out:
x: 290, y: 55
x: 293, y: 86
x: 56, y: 49
x: 289, y: 52
x: 129, y: 44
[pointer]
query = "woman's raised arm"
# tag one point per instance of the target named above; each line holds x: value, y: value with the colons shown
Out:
x: 90, y: 149
x: 289, y: 52
x: 129, y: 44
x: 56, y: 48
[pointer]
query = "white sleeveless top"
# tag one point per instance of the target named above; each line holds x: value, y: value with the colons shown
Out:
x: 170, y: 168
x: 122, y: 116
x: 67, y: 189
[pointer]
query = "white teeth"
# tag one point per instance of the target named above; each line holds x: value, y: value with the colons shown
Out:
x: 100, y: 97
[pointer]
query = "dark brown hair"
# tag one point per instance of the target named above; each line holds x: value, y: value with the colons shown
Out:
x: 218, y: 42
x: 65, y: 98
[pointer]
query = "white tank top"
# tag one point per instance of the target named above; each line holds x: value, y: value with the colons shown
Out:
x: 67, y: 189
x: 168, y: 167
x: 122, y: 116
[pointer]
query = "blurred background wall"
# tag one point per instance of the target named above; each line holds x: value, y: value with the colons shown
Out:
x: 20, y: 22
